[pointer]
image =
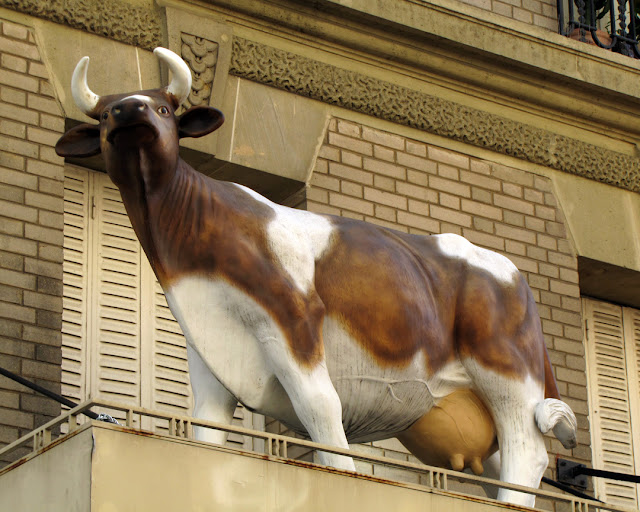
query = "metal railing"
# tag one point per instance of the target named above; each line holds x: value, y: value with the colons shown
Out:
x: 276, y: 447
x: 610, y: 24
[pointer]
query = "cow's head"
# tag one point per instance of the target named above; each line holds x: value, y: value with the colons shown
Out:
x: 136, y: 123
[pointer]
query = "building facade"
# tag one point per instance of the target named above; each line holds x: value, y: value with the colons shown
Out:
x: 475, y: 118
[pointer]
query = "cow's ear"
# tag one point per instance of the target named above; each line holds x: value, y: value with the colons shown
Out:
x: 82, y: 140
x: 198, y: 121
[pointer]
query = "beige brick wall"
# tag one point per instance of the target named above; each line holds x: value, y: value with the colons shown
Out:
x: 31, y: 205
x: 542, y: 13
x: 414, y: 187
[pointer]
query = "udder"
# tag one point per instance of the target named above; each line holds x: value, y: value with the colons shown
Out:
x: 456, y: 433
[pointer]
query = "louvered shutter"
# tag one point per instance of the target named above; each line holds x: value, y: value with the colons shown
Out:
x: 115, y: 335
x: 75, y: 272
x: 611, y: 403
x: 171, y: 389
x: 166, y: 385
x: 120, y: 340
x: 632, y: 339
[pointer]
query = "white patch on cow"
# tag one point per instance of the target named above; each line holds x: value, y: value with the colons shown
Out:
x: 497, y: 265
x: 297, y: 238
x: 219, y: 321
x: 239, y: 341
x: 450, y: 377
x: 244, y: 348
x: 212, y: 401
x: 141, y: 97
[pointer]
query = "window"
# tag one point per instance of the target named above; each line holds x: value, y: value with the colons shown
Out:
x: 613, y: 373
x: 120, y: 342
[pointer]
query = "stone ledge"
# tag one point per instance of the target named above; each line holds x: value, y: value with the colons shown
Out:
x: 392, y: 102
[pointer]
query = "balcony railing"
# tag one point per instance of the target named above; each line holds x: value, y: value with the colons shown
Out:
x: 269, y: 446
x: 609, y: 24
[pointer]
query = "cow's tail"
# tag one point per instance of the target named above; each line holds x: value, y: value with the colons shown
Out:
x: 553, y: 414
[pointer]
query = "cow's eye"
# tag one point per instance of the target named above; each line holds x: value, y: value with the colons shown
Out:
x: 163, y: 110
x: 105, y: 114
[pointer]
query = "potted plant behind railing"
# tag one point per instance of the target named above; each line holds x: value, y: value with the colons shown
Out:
x: 621, y: 31
x: 585, y: 28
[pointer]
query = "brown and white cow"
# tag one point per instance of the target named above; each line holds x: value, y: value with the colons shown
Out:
x: 341, y: 329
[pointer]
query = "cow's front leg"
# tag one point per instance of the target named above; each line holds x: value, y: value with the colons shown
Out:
x: 212, y: 401
x: 314, y: 399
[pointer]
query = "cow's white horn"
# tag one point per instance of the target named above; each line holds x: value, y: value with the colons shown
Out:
x: 84, y: 97
x: 180, y: 85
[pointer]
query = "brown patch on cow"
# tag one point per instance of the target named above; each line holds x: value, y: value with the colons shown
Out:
x: 199, y: 226
x: 550, y: 384
x: 398, y: 295
x: 391, y: 292
x: 498, y: 326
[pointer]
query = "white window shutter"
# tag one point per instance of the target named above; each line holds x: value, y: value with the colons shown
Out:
x: 166, y: 386
x: 115, y: 318
x: 632, y: 338
x: 75, y: 272
x: 611, y: 415
x: 120, y: 340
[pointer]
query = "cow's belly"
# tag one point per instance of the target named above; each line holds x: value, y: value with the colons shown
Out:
x: 378, y: 402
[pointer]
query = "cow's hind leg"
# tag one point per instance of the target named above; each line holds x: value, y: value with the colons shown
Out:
x: 212, y: 401
x: 512, y: 402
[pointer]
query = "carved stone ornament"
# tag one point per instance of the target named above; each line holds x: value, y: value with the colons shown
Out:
x: 115, y: 19
x: 140, y: 26
x: 201, y: 55
x: 385, y: 100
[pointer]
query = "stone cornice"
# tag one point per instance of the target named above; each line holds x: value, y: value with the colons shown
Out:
x: 114, y: 19
x: 385, y: 100
x: 142, y: 27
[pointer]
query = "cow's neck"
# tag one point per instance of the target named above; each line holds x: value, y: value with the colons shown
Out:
x: 175, y: 221
x: 139, y: 178
x: 192, y: 224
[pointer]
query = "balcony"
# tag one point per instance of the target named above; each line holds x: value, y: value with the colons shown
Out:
x: 610, y: 24
x: 100, y: 466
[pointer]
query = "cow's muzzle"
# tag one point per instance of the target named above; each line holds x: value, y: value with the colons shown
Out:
x: 131, y: 117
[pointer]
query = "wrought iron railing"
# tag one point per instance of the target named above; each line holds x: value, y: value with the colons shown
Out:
x: 610, y: 24
x: 273, y: 446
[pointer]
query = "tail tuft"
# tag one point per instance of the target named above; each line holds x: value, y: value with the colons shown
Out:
x: 555, y: 414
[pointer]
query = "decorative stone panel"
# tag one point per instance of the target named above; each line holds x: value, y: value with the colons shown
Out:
x: 31, y: 209
x: 407, y: 185
x: 201, y: 55
x: 205, y: 45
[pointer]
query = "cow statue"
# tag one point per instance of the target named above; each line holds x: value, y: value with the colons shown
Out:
x: 344, y: 331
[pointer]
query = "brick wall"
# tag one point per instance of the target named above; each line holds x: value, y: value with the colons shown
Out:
x: 541, y: 13
x: 31, y: 204
x: 414, y: 187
